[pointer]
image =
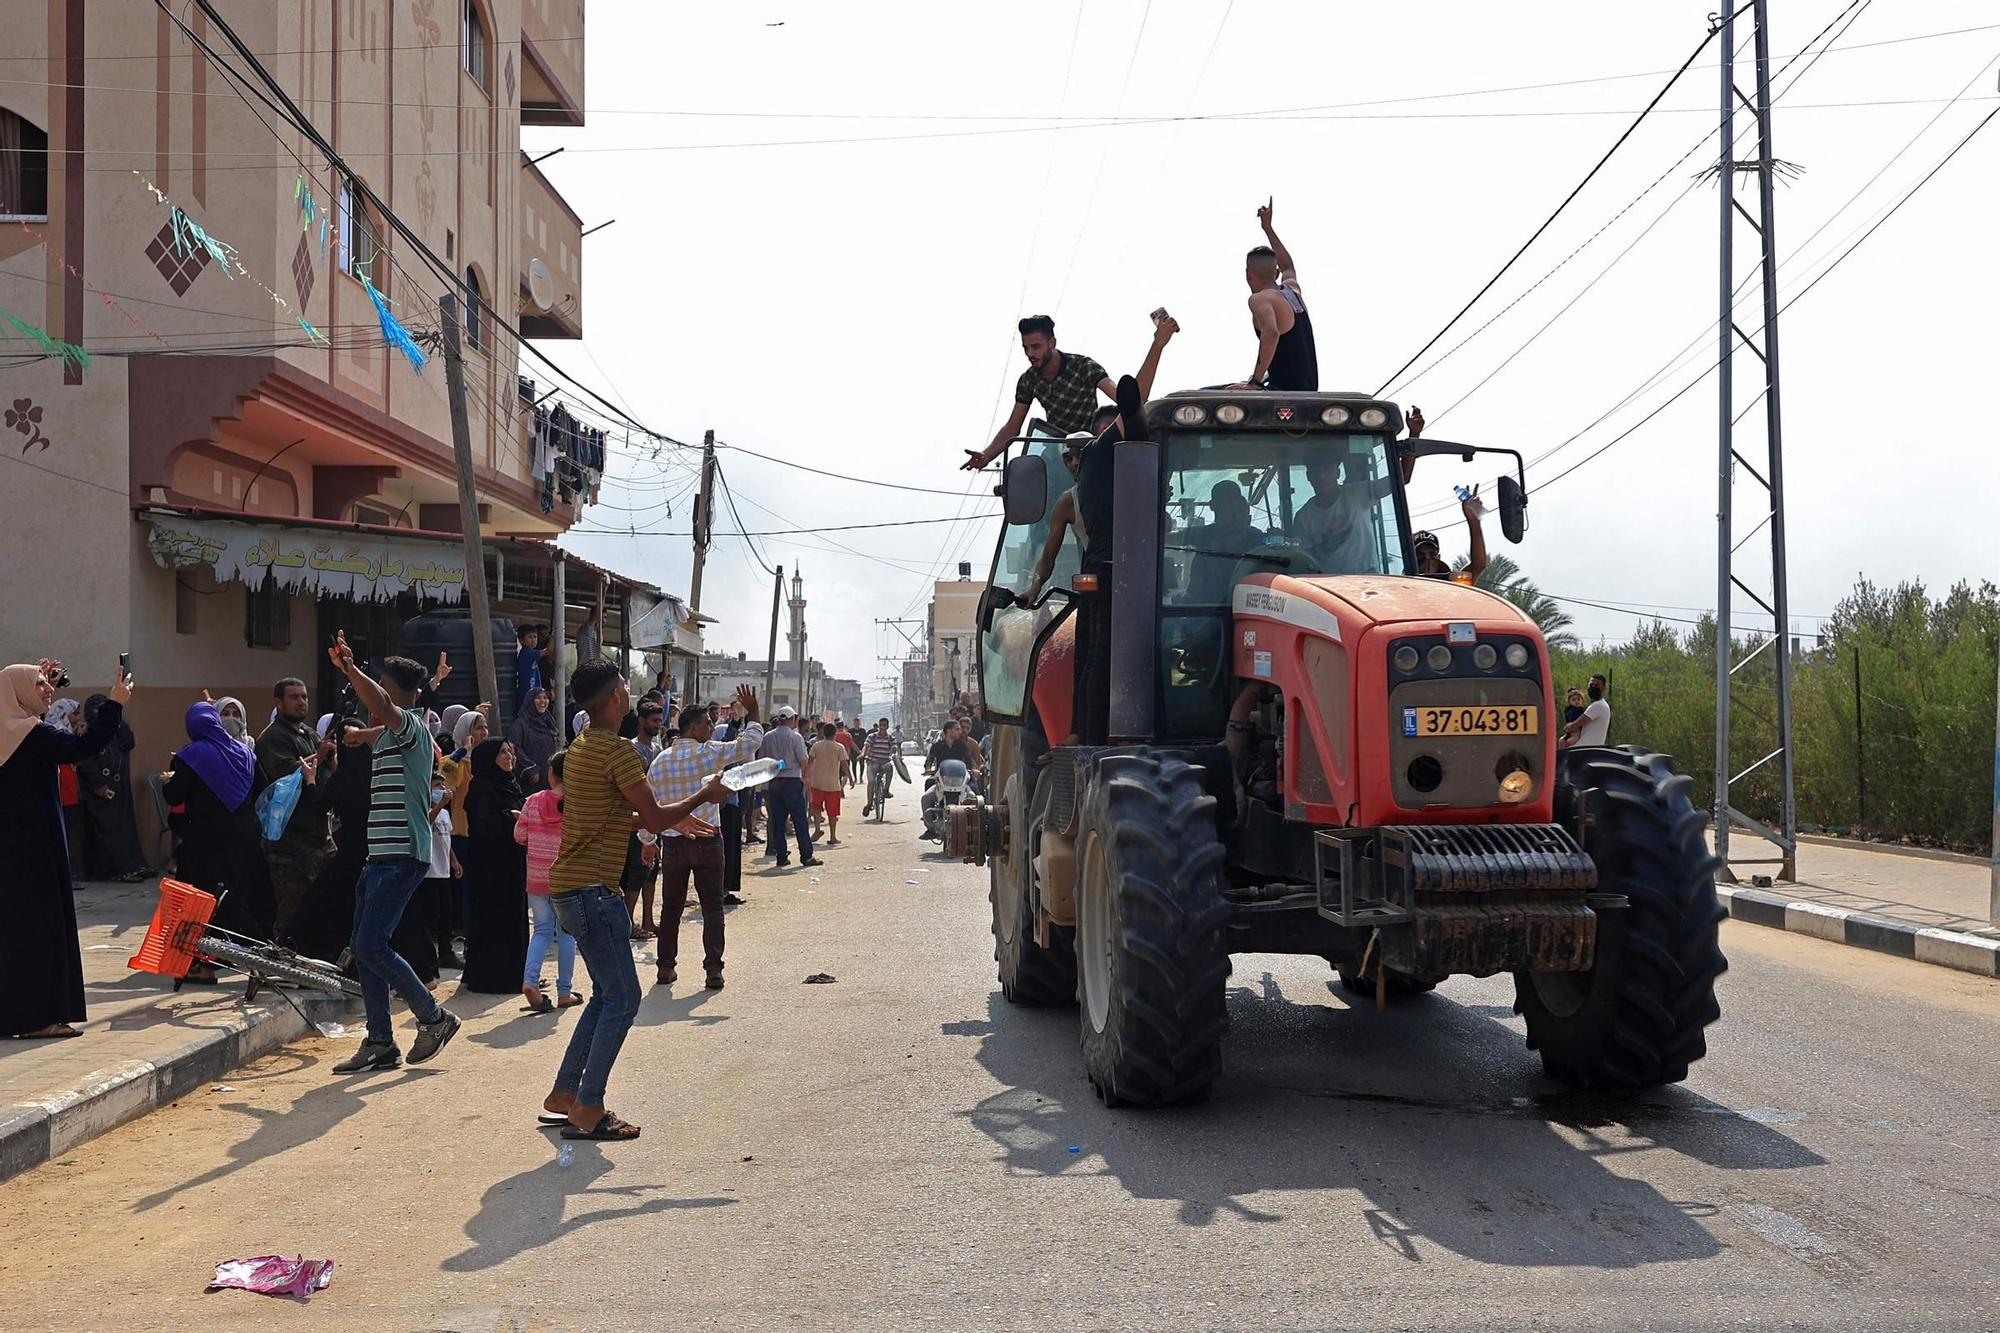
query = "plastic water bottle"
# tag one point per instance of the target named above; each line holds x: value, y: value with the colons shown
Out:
x: 565, y: 1156
x: 751, y: 774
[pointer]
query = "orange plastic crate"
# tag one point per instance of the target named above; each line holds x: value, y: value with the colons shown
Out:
x: 178, y: 921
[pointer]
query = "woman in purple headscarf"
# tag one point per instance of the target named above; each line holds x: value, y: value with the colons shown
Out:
x: 221, y: 845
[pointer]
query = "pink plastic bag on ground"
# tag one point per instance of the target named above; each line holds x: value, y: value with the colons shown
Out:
x: 273, y: 1275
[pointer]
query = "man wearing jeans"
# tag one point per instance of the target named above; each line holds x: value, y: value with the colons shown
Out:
x: 786, y: 794
x: 679, y: 771
x: 399, y: 856
x: 604, y: 784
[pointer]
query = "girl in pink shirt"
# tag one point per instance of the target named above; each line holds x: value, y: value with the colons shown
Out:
x: 539, y: 829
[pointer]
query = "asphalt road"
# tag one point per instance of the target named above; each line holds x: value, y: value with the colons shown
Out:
x: 902, y: 1149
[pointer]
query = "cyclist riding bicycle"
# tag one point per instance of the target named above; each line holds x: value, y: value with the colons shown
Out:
x: 879, y: 751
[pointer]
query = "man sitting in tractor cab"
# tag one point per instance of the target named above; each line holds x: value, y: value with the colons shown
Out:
x: 1335, y: 526
x: 1219, y: 545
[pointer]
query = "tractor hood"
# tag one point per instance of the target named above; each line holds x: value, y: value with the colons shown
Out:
x: 1386, y: 599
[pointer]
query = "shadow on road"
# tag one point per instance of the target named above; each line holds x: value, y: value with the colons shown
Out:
x: 531, y: 1209
x: 282, y: 1129
x: 1431, y: 1113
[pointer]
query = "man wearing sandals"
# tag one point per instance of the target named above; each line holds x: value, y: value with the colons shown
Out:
x: 399, y: 857
x: 604, y: 787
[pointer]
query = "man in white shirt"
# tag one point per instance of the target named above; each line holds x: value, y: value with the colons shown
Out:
x: 1594, y: 726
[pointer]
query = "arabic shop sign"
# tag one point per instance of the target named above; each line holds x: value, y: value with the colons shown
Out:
x: 337, y: 564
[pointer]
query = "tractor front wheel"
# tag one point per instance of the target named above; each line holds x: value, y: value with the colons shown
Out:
x: 1151, y: 961
x: 1636, y: 1018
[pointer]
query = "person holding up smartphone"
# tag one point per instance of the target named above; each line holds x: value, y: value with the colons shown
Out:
x: 43, y: 997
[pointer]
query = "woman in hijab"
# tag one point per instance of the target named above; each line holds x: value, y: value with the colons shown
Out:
x: 577, y: 722
x: 38, y: 950
x: 326, y: 922
x: 536, y: 735
x: 234, y: 720
x: 496, y: 875
x: 65, y: 716
x: 220, y: 852
x: 104, y: 782
x: 447, y: 725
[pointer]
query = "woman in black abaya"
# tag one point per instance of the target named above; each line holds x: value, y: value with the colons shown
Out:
x: 496, y: 875
x: 38, y: 950
x: 104, y: 783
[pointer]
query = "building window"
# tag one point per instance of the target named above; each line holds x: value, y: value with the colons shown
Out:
x: 473, y: 45
x: 267, y: 618
x: 24, y: 170
x: 472, y: 299
x: 360, y: 237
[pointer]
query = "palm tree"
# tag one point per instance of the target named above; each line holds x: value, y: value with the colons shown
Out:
x: 1504, y: 577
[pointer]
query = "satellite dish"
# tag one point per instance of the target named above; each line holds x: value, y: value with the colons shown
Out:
x: 541, y: 285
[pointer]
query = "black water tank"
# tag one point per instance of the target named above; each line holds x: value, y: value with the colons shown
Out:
x: 450, y: 632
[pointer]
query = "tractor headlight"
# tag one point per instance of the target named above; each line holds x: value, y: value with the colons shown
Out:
x: 1374, y: 418
x: 1230, y: 414
x: 1406, y: 659
x: 1516, y: 787
x: 1335, y: 416
x: 1517, y: 655
x: 1484, y: 657
x: 1440, y: 657
x: 1190, y: 414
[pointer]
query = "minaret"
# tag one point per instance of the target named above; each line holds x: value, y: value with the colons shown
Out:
x: 797, y: 636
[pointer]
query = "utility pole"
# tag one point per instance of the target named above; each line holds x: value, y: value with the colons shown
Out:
x: 1993, y: 892
x: 704, y: 510
x: 468, y: 511
x: 771, y: 653
x: 1764, y: 166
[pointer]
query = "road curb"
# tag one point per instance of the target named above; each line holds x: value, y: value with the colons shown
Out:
x: 1860, y: 930
x: 37, y: 1130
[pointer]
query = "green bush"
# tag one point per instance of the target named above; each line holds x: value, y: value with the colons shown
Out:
x: 1915, y: 763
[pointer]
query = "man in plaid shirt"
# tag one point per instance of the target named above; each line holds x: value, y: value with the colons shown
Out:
x: 1066, y: 384
x: 880, y: 752
x: 680, y: 772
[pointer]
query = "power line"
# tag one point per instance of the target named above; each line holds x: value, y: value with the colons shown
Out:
x: 1550, y: 220
x: 794, y: 532
x: 837, y: 476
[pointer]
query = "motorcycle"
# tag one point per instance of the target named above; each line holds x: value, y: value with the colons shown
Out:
x: 951, y: 785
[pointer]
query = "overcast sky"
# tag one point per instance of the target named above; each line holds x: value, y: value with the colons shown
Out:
x: 851, y: 304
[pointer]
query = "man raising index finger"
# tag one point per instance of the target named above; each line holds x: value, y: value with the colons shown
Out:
x: 1286, y: 356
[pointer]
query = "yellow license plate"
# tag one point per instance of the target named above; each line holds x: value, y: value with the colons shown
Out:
x: 1480, y: 720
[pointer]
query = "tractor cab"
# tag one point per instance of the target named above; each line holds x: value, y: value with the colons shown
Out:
x: 1307, y: 749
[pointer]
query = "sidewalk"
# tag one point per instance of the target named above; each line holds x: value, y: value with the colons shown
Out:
x: 1927, y: 906
x: 143, y: 1046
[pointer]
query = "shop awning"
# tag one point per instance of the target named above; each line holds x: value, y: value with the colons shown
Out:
x: 354, y: 561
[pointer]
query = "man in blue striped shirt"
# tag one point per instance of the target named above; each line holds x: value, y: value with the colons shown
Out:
x: 399, y: 853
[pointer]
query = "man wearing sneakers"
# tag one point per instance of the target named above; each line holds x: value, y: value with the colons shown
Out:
x: 399, y: 856
x: 681, y: 770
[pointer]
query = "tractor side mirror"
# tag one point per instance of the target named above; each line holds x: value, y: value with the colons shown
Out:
x: 1513, y: 509
x: 1024, y: 489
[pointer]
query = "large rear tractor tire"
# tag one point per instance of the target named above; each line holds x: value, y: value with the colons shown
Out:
x: 1636, y: 1019
x: 1151, y: 962
x: 1029, y: 974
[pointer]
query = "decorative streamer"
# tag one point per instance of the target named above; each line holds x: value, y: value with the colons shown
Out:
x: 189, y: 237
x: 314, y: 333
x: 393, y: 331
x: 71, y: 354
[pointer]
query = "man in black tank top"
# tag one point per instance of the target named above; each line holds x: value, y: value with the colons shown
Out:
x: 1286, y: 357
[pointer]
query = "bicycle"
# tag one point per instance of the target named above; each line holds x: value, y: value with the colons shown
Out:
x: 181, y: 935
x: 878, y: 789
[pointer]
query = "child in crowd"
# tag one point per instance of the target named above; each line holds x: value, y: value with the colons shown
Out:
x: 433, y: 901
x: 540, y: 829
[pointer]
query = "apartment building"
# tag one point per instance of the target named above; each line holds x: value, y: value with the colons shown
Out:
x: 244, y: 463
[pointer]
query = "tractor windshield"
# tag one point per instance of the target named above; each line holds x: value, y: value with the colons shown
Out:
x: 1239, y: 501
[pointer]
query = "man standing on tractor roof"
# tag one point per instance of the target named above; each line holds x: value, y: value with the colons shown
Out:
x: 1286, y: 356
x: 1065, y: 383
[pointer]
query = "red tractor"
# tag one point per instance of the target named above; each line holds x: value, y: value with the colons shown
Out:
x: 1312, y: 751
